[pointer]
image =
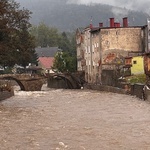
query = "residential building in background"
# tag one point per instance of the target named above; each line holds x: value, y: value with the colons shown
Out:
x: 46, y: 57
x: 46, y: 51
x: 46, y: 64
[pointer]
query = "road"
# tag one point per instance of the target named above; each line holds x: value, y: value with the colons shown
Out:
x: 74, y: 120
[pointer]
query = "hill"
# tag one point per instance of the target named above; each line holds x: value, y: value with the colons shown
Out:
x: 68, y: 16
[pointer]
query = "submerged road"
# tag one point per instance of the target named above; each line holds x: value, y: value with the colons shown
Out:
x: 74, y: 120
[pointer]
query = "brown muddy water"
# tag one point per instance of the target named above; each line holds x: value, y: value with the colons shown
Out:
x: 74, y: 120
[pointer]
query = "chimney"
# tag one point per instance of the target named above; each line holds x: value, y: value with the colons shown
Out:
x: 91, y: 26
x: 125, y: 22
x: 112, y: 22
x: 101, y: 25
x: 117, y: 24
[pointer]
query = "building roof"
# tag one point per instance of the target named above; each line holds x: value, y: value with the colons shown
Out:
x: 46, y: 62
x: 94, y: 29
x: 30, y: 68
x: 46, y: 51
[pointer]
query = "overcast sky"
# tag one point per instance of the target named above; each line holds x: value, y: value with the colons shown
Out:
x: 141, y: 5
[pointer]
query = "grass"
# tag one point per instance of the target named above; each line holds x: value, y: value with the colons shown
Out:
x: 141, y: 78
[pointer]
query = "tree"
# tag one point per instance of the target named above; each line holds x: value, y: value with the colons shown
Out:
x: 59, y: 64
x: 16, y: 44
x: 26, y: 48
x: 45, y: 36
x: 64, y: 42
x: 63, y: 63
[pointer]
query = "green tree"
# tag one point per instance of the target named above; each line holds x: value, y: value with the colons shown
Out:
x: 64, y: 42
x: 16, y: 44
x: 26, y: 48
x: 45, y: 36
x: 73, y: 44
x: 63, y: 63
x: 59, y: 64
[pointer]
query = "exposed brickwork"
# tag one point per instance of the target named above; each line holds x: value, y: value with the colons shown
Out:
x: 128, y: 39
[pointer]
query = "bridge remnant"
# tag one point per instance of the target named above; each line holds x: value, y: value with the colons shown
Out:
x: 66, y: 80
x: 27, y: 82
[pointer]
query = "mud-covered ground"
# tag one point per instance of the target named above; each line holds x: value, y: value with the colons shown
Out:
x: 74, y: 120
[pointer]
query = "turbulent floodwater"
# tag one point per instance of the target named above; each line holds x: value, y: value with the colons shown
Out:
x: 74, y: 120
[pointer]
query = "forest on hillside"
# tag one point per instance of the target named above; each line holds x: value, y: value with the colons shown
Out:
x: 68, y: 17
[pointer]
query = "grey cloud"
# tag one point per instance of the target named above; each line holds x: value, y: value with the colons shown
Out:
x: 119, y: 13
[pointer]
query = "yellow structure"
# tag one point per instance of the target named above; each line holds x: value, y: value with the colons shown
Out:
x: 137, y: 65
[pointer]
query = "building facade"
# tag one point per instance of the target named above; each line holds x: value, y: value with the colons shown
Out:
x: 105, y: 49
x: 80, y: 50
x: 137, y: 65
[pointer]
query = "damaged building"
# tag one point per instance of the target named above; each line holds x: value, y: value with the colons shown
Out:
x: 101, y: 51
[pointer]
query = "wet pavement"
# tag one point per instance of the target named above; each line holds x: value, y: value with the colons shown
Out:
x: 74, y: 120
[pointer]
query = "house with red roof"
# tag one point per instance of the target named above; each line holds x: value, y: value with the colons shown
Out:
x: 46, y: 64
x: 46, y: 58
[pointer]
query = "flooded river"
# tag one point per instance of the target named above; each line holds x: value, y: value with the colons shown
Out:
x: 74, y: 120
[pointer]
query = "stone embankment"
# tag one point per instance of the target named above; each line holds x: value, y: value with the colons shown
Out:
x: 105, y: 88
x: 137, y: 90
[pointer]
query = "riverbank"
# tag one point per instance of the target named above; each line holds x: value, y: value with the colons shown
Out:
x: 105, y: 88
x: 134, y: 90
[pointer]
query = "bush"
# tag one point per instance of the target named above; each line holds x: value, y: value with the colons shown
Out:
x: 137, y: 79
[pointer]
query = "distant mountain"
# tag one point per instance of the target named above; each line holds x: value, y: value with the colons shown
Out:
x: 67, y: 17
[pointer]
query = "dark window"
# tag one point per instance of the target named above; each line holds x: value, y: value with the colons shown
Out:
x: 134, y: 62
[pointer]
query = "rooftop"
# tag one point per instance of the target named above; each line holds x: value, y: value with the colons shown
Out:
x: 46, y: 51
x: 46, y: 62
